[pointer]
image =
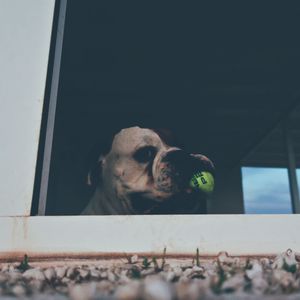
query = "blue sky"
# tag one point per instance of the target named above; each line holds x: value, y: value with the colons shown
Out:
x: 266, y: 190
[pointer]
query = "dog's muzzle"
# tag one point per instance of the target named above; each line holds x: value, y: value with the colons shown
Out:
x: 172, y: 176
x: 175, y: 170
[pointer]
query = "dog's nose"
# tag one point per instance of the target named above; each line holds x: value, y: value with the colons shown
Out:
x: 182, y: 163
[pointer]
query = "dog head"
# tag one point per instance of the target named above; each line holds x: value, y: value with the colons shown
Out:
x: 144, y: 172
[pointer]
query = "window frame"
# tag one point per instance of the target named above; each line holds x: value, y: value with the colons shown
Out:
x: 25, y: 34
x: 88, y: 236
x: 118, y: 236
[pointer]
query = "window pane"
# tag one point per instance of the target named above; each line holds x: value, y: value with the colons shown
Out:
x: 266, y: 191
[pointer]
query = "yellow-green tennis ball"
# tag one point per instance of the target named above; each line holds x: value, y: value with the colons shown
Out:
x: 203, y: 181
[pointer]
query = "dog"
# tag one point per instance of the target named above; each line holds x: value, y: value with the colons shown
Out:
x: 145, y: 172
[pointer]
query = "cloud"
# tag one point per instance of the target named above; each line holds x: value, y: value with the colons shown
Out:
x: 266, y: 190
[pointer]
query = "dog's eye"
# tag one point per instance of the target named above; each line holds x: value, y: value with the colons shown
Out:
x: 145, y: 154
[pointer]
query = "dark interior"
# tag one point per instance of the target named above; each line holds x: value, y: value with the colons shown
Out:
x: 220, y: 77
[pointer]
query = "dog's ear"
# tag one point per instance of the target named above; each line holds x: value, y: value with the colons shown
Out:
x: 95, y: 174
x: 95, y: 157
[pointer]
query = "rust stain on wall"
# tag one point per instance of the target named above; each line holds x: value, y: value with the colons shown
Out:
x: 35, y: 256
x: 25, y: 227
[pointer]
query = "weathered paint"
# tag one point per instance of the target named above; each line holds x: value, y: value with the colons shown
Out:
x: 111, y: 236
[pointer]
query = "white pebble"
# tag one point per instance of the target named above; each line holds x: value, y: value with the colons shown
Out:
x: 50, y: 274
x: 71, y: 272
x: 287, y: 258
x: 19, y: 290
x: 283, y: 278
x: 186, y: 265
x: 167, y: 267
x: 190, y: 290
x: 187, y: 272
x: 5, y: 268
x: 60, y: 272
x: 197, y: 269
x: 134, y: 259
x: 84, y: 274
x: 34, y: 274
x: 177, y: 271
x: 111, y: 276
x: 36, y: 285
x: 256, y: 270
x: 157, y: 289
x: 103, y: 275
x: 170, y: 276
x: 259, y: 285
x: 84, y: 291
x: 14, y: 276
x: 265, y: 261
x: 105, y: 287
x: 65, y: 280
x: 224, y: 258
x: 11, y: 268
x: 130, y: 291
x: 234, y: 283
x: 96, y: 274
x: 3, y: 277
x: 147, y: 272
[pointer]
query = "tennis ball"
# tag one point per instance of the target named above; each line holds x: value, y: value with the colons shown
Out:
x: 203, y: 181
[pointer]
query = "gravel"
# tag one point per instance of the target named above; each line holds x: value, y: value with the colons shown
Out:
x: 222, y: 278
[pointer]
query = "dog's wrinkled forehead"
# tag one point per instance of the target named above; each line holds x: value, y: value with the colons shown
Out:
x: 129, y: 139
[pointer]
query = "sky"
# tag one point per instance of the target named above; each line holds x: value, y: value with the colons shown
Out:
x: 266, y: 190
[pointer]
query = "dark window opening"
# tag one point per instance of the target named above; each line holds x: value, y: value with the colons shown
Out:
x: 219, y: 81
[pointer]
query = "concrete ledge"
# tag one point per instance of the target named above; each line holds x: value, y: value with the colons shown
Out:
x: 87, y: 236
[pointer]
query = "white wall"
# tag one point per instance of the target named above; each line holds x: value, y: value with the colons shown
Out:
x: 25, y: 31
x: 148, y: 235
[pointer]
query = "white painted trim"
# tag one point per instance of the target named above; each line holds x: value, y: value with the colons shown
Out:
x: 25, y: 34
x: 92, y: 235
